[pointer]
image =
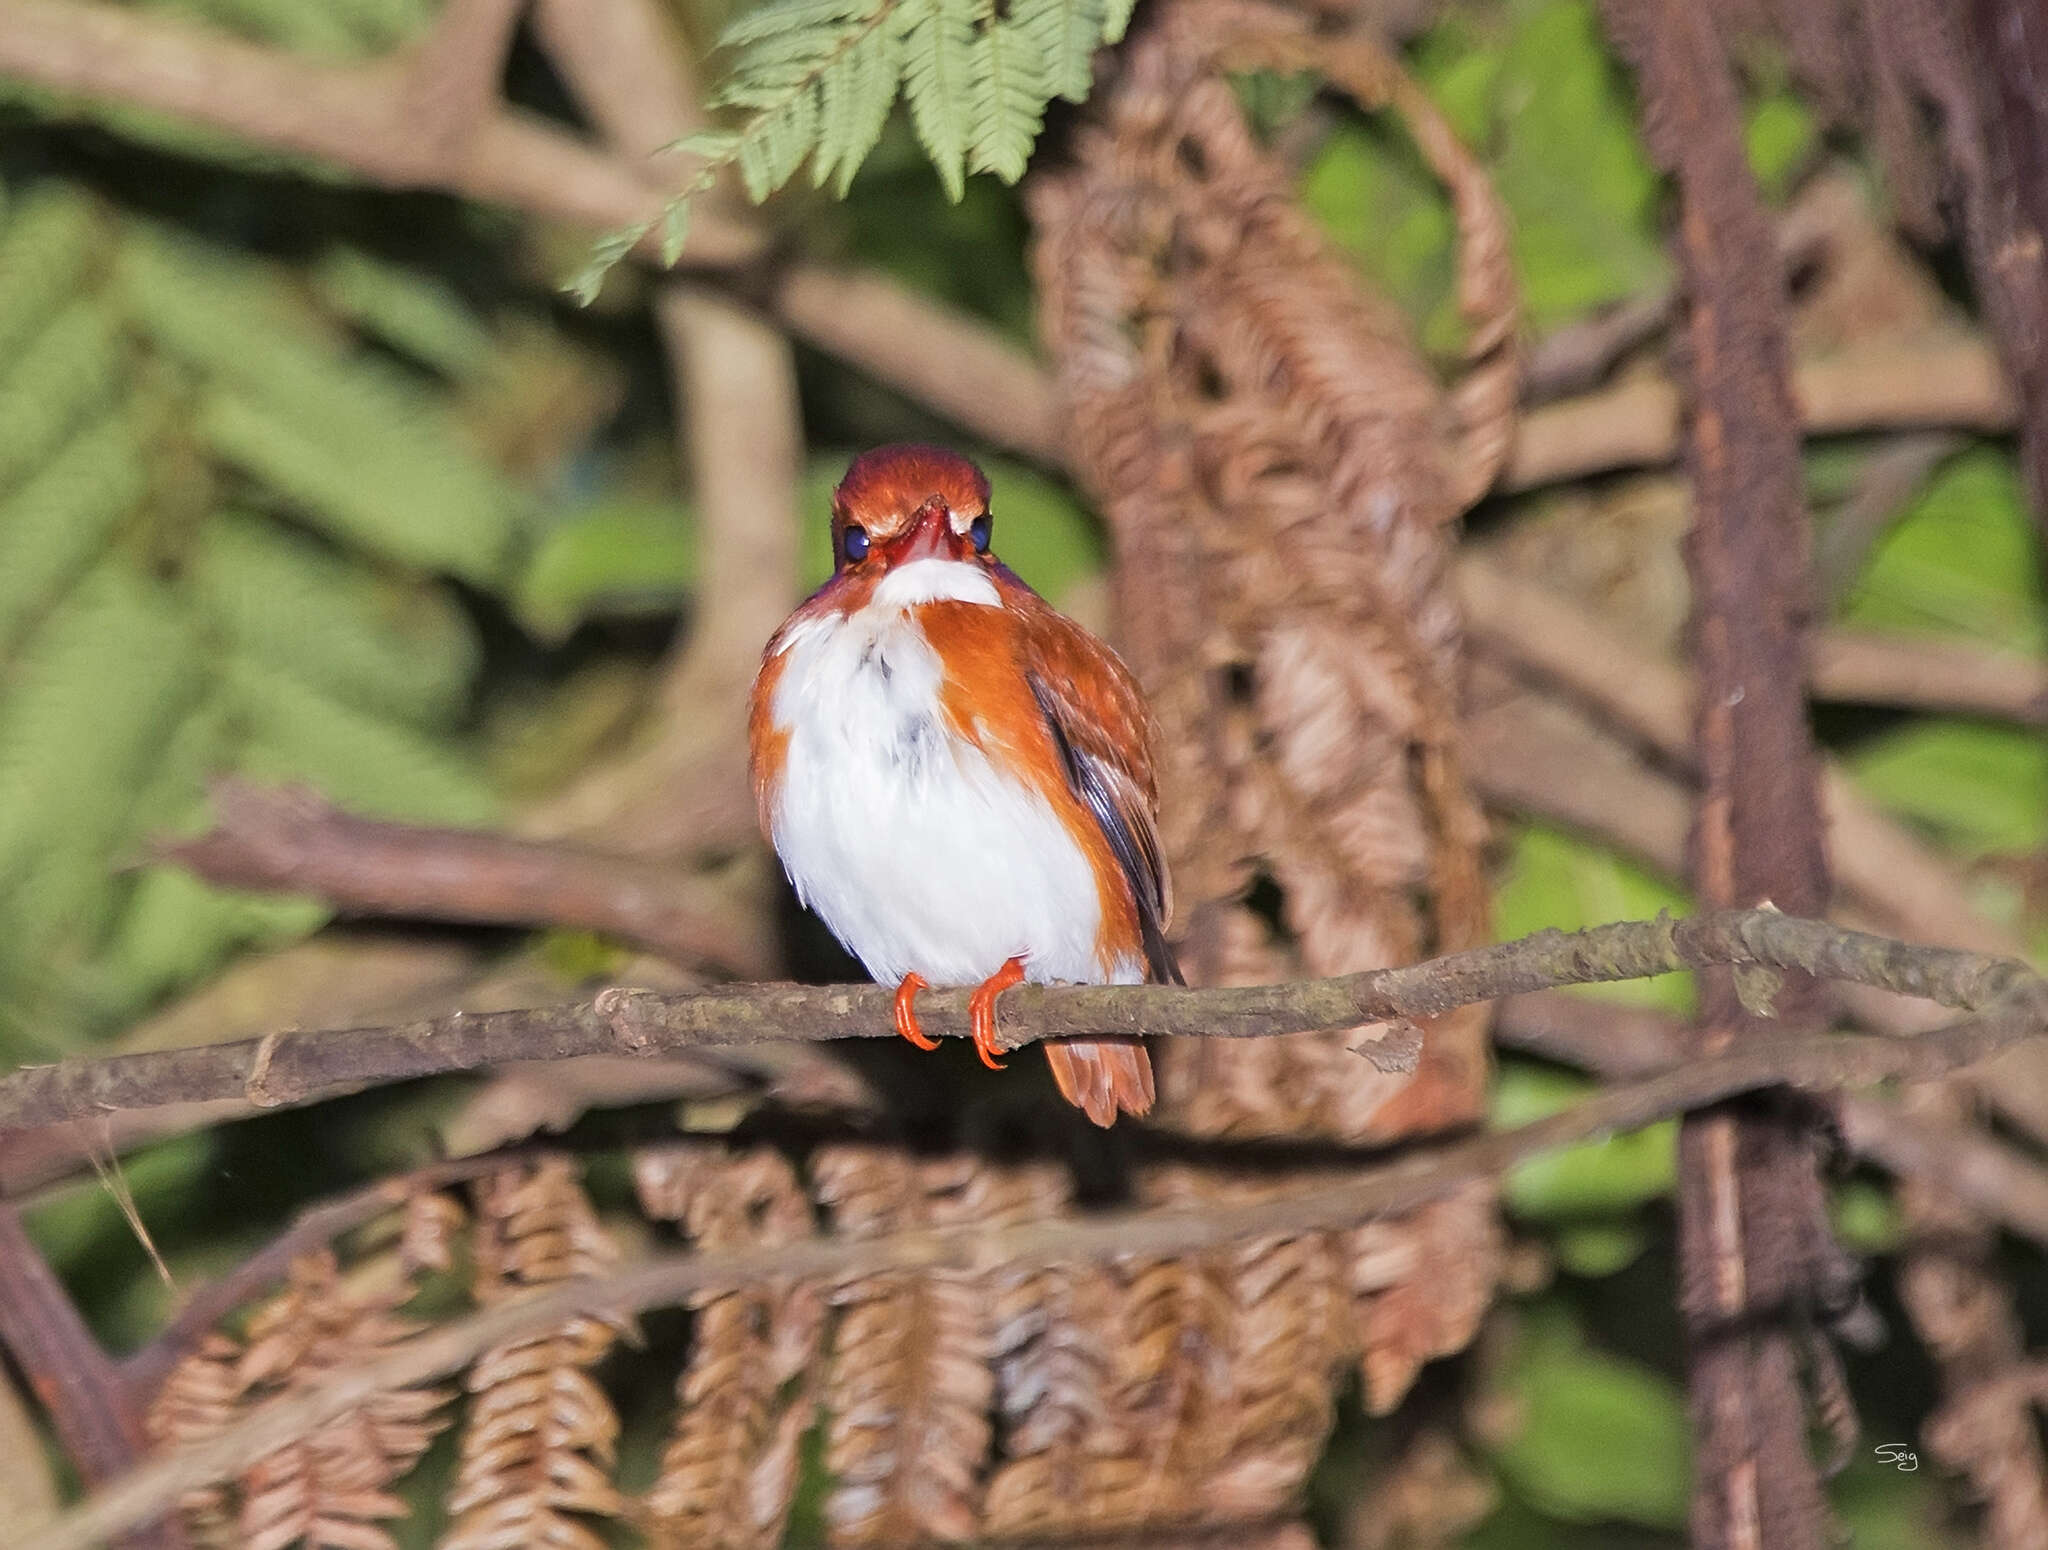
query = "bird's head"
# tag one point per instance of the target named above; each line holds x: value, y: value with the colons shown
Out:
x: 901, y: 504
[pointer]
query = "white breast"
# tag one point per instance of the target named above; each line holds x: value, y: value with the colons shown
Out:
x: 919, y: 854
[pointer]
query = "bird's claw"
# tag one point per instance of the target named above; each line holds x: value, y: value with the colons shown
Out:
x: 981, y: 1011
x: 906, y: 1012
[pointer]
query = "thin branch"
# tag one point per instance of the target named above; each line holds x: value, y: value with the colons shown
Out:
x: 1873, y: 667
x: 94, y: 1413
x: 1814, y: 1064
x: 940, y: 358
x: 1866, y: 387
x: 282, y: 1070
x: 294, y: 840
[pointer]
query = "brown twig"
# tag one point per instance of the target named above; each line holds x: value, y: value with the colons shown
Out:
x: 1817, y: 1064
x: 1880, y: 386
x: 1872, y: 667
x: 294, y: 840
x: 942, y: 359
x: 302, y: 1068
x: 363, y: 117
x: 1548, y: 635
x: 2006, y: 60
x: 94, y: 1412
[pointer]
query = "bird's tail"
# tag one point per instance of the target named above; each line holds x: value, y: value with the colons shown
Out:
x: 1102, y: 1077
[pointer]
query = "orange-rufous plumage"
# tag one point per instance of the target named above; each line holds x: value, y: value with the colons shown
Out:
x: 959, y: 779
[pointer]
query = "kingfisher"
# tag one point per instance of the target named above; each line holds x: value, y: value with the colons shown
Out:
x: 958, y: 779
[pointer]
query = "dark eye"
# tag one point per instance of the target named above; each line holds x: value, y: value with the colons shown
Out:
x: 978, y: 530
x: 854, y: 541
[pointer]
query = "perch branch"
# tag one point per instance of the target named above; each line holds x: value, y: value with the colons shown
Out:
x: 294, y: 840
x: 1817, y: 1064
x: 281, y: 1070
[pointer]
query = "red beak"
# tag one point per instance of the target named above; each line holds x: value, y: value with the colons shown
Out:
x: 929, y: 537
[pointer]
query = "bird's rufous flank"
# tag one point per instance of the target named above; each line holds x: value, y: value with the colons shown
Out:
x: 959, y: 779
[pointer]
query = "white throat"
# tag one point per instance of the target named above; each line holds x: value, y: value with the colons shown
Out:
x: 934, y: 581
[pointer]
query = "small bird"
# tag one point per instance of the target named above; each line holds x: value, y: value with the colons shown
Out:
x: 958, y: 778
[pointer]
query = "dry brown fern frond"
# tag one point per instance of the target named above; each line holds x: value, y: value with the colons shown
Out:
x: 1282, y: 472
x: 329, y: 1488
x: 539, y: 1437
x: 747, y: 1394
x: 1281, y: 469
x: 910, y: 1383
x: 1064, y: 1446
x: 200, y: 1399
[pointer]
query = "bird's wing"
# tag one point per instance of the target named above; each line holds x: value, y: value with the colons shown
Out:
x: 1104, y: 731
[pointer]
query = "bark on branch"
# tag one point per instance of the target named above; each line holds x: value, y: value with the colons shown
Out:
x: 290, y: 1069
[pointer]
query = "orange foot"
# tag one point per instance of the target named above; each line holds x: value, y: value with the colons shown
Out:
x: 981, y: 1010
x: 906, y: 1012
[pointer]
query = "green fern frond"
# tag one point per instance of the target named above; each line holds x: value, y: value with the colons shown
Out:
x: 361, y: 761
x: 1011, y: 88
x: 854, y: 103
x: 89, y: 703
x: 46, y: 253
x: 1068, y: 33
x: 363, y: 450
x: 390, y: 648
x: 63, y: 373
x: 938, y: 69
x: 59, y: 521
x: 815, y: 80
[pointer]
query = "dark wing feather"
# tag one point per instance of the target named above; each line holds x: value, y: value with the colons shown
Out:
x: 1095, y: 718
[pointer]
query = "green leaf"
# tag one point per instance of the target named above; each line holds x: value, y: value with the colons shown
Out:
x: 1612, y: 1175
x: 938, y: 69
x: 1595, y: 1438
x: 1601, y: 1248
x: 1778, y: 134
x: 55, y: 525
x: 1379, y: 204
x: 1866, y: 1217
x: 47, y: 247
x: 361, y: 761
x: 1116, y: 19
x: 65, y: 372
x: 1964, y: 560
x: 619, y: 556
x: 1980, y: 787
x: 1571, y: 168
x: 785, y: 18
